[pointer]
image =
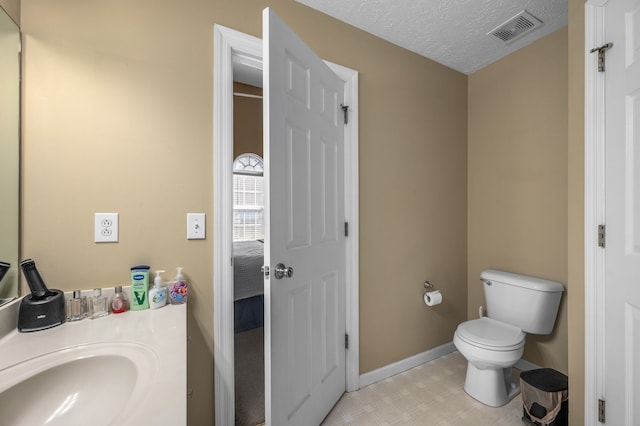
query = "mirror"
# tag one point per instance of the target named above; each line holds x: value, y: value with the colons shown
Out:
x: 9, y: 154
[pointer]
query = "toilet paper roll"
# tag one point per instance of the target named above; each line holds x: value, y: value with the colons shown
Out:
x: 432, y: 298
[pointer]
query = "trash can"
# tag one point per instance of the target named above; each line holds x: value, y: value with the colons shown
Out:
x: 545, y: 397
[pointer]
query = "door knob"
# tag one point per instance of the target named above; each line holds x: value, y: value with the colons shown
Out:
x: 283, y: 272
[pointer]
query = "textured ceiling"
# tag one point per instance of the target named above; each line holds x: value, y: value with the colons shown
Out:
x: 451, y: 32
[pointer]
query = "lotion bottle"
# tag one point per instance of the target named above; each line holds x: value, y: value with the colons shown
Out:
x: 179, y: 289
x: 157, y: 294
x: 139, y: 287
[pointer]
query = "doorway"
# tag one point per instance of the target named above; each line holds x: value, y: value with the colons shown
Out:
x: 248, y: 250
x: 232, y: 48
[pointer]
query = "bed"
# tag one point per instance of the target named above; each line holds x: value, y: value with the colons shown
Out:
x: 248, y: 288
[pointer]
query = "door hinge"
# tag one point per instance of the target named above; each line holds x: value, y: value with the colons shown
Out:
x: 601, y: 410
x: 345, y: 111
x: 601, y: 50
x: 346, y: 229
x: 602, y: 235
x: 346, y: 341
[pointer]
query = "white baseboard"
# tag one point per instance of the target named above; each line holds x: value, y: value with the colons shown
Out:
x: 524, y: 365
x: 389, y: 370
x: 398, y: 367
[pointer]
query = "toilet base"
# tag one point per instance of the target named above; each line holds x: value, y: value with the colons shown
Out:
x: 492, y: 387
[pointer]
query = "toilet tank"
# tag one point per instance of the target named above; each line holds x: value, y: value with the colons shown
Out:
x: 527, y: 302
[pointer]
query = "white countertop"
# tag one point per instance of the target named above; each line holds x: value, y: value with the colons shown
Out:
x: 162, y: 330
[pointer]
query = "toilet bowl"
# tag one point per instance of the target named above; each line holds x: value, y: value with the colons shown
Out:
x: 492, y: 348
x: 516, y: 304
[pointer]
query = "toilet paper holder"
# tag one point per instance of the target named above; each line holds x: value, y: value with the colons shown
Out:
x: 432, y: 297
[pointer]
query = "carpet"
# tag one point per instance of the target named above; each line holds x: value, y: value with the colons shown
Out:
x: 249, y: 377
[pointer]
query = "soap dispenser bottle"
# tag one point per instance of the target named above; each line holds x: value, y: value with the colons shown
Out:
x: 157, y: 294
x: 179, y: 289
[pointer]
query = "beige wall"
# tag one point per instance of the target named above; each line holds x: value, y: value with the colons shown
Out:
x: 247, y: 124
x: 118, y: 118
x: 517, y: 177
x: 576, y: 212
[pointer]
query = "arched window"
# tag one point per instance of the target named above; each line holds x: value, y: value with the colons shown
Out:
x: 248, y: 164
x: 248, y: 198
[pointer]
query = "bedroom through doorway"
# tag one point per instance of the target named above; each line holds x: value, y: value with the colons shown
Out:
x: 248, y: 251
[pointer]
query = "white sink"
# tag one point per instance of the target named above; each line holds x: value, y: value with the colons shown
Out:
x: 128, y: 369
x: 98, y: 383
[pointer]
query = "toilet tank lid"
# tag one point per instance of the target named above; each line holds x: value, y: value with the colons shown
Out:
x: 518, y: 280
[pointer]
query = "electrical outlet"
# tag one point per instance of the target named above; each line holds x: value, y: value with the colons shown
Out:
x: 196, y: 226
x: 106, y: 228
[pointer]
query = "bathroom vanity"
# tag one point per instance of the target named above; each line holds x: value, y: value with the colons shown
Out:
x: 125, y: 369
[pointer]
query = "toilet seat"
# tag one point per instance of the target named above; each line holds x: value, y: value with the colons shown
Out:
x: 487, y: 333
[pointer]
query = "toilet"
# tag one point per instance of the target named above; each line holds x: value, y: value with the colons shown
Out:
x: 516, y: 304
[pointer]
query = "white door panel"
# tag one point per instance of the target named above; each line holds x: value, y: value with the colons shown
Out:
x: 297, y: 189
x: 304, y: 206
x: 622, y: 213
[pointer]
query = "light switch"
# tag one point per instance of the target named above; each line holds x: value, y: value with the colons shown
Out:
x: 196, y: 226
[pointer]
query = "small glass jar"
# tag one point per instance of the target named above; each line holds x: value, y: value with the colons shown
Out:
x: 98, y: 304
x: 77, y: 307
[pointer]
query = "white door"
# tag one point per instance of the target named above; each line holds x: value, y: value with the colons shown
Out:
x: 304, y: 206
x: 622, y: 213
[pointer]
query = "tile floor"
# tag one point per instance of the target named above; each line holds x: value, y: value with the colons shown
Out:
x: 431, y: 394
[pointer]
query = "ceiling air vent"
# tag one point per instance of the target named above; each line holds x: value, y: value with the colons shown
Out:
x: 516, y: 27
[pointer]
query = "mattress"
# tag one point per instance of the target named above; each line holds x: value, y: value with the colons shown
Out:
x: 248, y: 258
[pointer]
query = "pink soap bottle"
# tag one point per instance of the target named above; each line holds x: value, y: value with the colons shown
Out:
x: 179, y: 289
x: 119, y: 301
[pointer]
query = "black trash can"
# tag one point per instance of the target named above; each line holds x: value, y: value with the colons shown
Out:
x: 545, y: 397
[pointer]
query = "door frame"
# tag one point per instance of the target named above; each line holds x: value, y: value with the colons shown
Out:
x: 594, y: 212
x: 231, y: 46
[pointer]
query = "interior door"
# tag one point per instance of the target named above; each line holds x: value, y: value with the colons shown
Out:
x: 622, y: 212
x: 304, y: 207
